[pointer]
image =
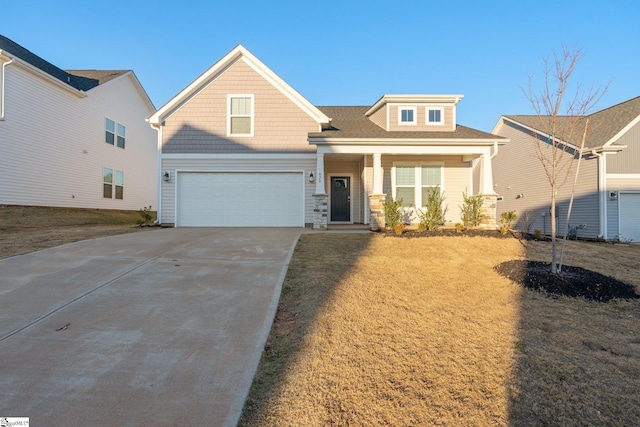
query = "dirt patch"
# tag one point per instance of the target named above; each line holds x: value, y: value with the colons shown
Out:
x: 25, y: 229
x: 571, y: 281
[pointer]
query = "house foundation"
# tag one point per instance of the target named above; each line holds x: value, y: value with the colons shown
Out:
x: 488, y: 211
x: 376, y: 205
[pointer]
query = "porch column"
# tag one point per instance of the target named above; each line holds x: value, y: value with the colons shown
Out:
x: 377, y: 198
x: 320, y: 198
x: 488, y: 209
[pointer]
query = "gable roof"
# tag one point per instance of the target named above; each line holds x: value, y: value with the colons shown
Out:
x: 82, y: 80
x: 236, y: 54
x: 608, y: 124
x: 352, y: 123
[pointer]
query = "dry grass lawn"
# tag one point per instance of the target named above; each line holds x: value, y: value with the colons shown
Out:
x: 26, y: 229
x: 375, y: 330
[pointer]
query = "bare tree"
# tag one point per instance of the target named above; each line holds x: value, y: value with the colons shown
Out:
x: 562, y: 117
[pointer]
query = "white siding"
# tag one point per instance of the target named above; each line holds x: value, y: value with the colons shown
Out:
x: 53, y: 148
x: 239, y: 164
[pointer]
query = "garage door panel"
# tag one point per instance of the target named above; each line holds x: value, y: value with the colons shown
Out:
x: 629, y: 204
x: 225, y: 199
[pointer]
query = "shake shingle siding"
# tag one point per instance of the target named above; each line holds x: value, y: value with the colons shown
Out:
x: 200, y: 125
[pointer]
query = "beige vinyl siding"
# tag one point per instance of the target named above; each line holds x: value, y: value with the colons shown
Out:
x: 357, y: 189
x: 54, y: 150
x: 200, y: 125
x: 380, y: 117
x: 421, y: 118
x: 516, y: 170
x: 628, y: 160
x: 244, y: 164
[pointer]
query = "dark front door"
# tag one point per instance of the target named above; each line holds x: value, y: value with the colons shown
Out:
x: 340, y: 198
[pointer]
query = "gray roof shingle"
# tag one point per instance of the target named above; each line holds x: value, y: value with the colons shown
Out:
x: 83, y: 80
x: 350, y: 122
x: 604, y: 124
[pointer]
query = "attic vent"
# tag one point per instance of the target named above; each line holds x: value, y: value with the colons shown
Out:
x: 68, y: 79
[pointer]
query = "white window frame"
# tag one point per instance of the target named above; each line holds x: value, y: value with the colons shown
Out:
x: 417, y: 181
x: 402, y: 108
x: 116, y: 135
x: 113, y: 183
x: 434, y: 108
x: 251, y: 115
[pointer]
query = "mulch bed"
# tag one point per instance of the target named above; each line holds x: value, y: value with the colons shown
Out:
x: 536, y: 275
x: 571, y: 281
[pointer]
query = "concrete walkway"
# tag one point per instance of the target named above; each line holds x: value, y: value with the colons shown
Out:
x: 157, y: 328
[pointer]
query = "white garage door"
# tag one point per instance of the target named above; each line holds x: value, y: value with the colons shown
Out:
x: 223, y: 199
x: 630, y: 216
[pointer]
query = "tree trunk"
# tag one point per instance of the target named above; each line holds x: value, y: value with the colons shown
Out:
x: 554, y: 265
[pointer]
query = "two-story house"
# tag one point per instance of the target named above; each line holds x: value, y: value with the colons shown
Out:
x: 240, y: 147
x: 75, y: 138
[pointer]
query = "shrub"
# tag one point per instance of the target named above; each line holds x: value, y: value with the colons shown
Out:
x: 506, y: 220
x: 392, y: 211
x: 146, y: 216
x: 433, y: 215
x: 470, y: 210
x: 459, y: 227
x: 537, y: 234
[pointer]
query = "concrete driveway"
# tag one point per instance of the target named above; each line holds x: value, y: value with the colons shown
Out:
x: 157, y: 328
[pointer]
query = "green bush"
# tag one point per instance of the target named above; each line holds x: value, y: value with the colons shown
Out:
x: 470, y: 210
x: 392, y: 211
x: 433, y: 215
x: 506, y: 220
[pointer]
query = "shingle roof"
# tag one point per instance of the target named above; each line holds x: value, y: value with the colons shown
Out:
x: 350, y: 122
x: 80, y: 79
x: 605, y: 124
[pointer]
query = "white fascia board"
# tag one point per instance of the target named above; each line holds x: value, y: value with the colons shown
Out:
x: 624, y: 130
x: 319, y: 141
x: 252, y: 156
x: 543, y: 134
x: 237, y: 53
x: 609, y: 149
x: 405, y: 149
x: 47, y: 77
x: 498, y: 125
x: 413, y: 99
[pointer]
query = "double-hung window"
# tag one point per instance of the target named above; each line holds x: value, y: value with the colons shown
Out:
x: 412, y: 183
x: 115, y: 133
x: 240, y: 117
x: 435, y: 116
x: 111, y: 180
x: 407, y: 115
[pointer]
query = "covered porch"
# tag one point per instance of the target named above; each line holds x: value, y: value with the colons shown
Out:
x: 353, y: 179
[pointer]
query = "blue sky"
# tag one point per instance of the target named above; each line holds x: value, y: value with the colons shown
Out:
x: 345, y: 52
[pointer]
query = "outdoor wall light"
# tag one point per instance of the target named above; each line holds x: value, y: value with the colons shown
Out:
x: 166, y: 176
x: 520, y: 196
x: 311, y: 178
x: 613, y: 195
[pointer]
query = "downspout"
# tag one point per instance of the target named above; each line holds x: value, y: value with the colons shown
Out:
x: 3, y: 75
x: 494, y: 151
x: 158, y: 129
x: 601, y: 194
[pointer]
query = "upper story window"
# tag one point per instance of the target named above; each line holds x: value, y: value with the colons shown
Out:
x: 407, y: 115
x: 435, y: 116
x: 115, y: 133
x: 240, y: 117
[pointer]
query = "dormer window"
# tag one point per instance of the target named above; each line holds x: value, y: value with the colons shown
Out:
x: 407, y: 115
x: 435, y: 116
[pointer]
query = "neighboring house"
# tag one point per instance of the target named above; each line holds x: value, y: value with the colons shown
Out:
x: 607, y: 198
x: 73, y: 138
x: 240, y: 147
